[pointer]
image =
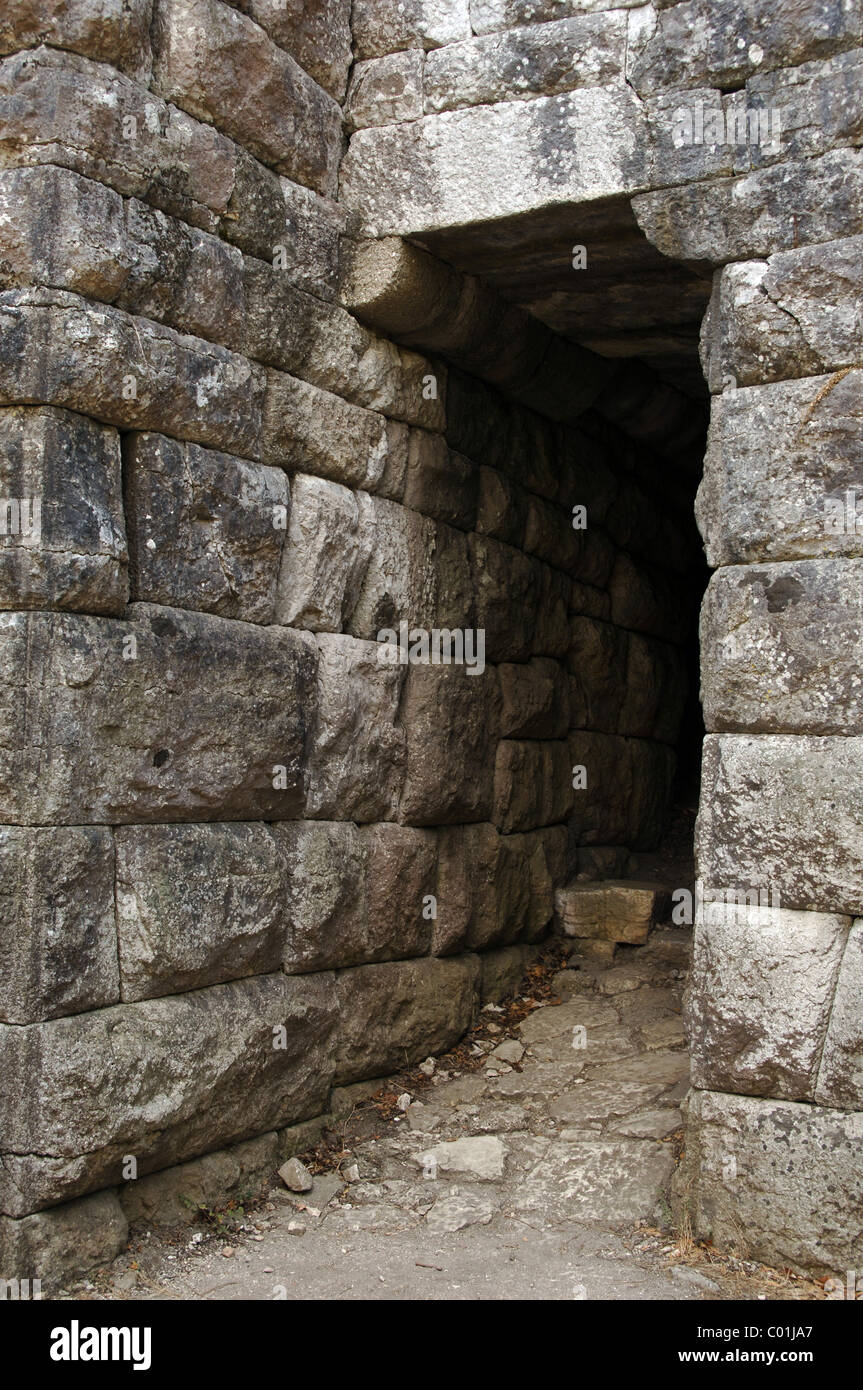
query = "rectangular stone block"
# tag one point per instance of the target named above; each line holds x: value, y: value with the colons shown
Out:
x: 386, y: 89
x: 532, y: 784
x: 451, y: 721
x: 614, y: 910
x: 63, y: 542
x: 329, y: 542
x: 492, y: 889
x: 197, y: 905
x: 783, y: 811
x: 356, y: 894
x: 782, y: 1178
x: 490, y: 15
x: 783, y: 471
x: 111, y: 31
x: 508, y: 599
x: 760, y: 997
x: 221, y: 67
x: 650, y: 600
x: 63, y: 351
x: 781, y: 648
x: 307, y: 430
x: 395, y: 1014
x: 111, y: 720
x: 58, y: 940
x: 840, y: 1076
x: 55, y: 1246
x: 207, y: 530
x: 161, y: 1080
x: 821, y: 105
x: 625, y: 789
x: 535, y: 699
x: 381, y: 29
x: 597, y: 664
x: 318, y: 36
x: 401, y: 579
x: 655, y: 691
x: 357, y: 753
x: 439, y: 482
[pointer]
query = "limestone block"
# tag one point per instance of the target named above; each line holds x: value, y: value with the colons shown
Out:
x: 501, y: 507
x: 541, y: 60
x: 492, y: 888
x: 108, y: 709
x: 196, y: 905
x: 439, y: 482
x: 356, y: 894
x: 394, y: 1014
x: 508, y: 598
x: 318, y: 36
x: 627, y: 792
x: 400, y: 583
x: 357, y: 757
x: 221, y: 549
x: 840, y: 1076
x: 66, y: 1241
x: 71, y: 552
x: 548, y: 533
x: 655, y: 691
x: 781, y: 648
x: 222, y: 68
x: 551, y: 632
x: 58, y: 942
x: 312, y: 234
x: 532, y: 784
x: 653, y: 769
x: 163, y: 1079
x: 535, y: 699
x: 760, y: 997
x: 130, y: 372
x: 490, y: 15
x: 379, y: 29
x: 329, y: 541
x: 110, y: 31
x: 451, y: 720
x: 820, y: 105
x: 386, y: 89
x: 597, y: 664
x: 783, y: 811
x: 781, y: 1176
x: 307, y: 430
x: 614, y: 910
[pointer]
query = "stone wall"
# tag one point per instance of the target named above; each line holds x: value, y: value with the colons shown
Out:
x: 246, y: 861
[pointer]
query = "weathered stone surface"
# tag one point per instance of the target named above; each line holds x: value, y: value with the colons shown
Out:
x: 358, y: 750
x: 627, y: 792
x: 221, y: 67
x: 451, y: 720
x: 400, y: 582
x: 59, y: 349
x: 491, y: 888
x: 535, y: 700
x: 224, y: 1070
x: 107, y: 707
x: 596, y: 663
x: 439, y: 482
x: 176, y: 1196
x: 783, y: 811
x: 782, y: 1177
x: 648, y: 600
x: 196, y: 905
x: 399, y: 1012
x: 655, y: 691
x: 780, y: 463
x: 58, y: 942
x: 318, y: 36
x: 481, y: 1156
x: 111, y: 31
x: 616, y: 910
x: 222, y: 549
x: 67, y: 1240
x: 355, y: 894
x: 329, y: 541
x: 386, y: 89
x: 311, y: 234
x: 542, y: 60
x: 760, y: 998
x: 796, y: 314
x: 311, y: 431
x: 508, y: 599
x: 66, y: 547
x: 532, y: 784
x: 840, y: 1076
x: 381, y: 29
x: 781, y: 648
x: 489, y: 15
x: 820, y: 105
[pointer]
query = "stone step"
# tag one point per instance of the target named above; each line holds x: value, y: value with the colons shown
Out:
x: 613, y: 910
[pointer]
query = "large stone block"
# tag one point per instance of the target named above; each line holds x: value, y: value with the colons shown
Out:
x: 356, y: 894
x: 329, y: 542
x: 206, y: 529
x: 60, y: 349
x: 780, y: 1179
x: 614, y: 910
x: 386, y: 89
x: 379, y: 29
x: 840, y: 1076
x: 196, y: 905
x: 54, y: 1246
x: 58, y: 941
x: 161, y: 1080
x: 760, y: 998
x: 650, y: 600
x: 318, y: 36
x: 532, y: 784
x: 111, y: 31
x: 781, y: 462
x: 451, y: 720
x: 655, y: 690
x: 781, y: 648
x: 66, y: 546
x: 392, y: 1015
x: 783, y: 812
x: 508, y: 599
x: 357, y: 758
x: 307, y: 430
x: 439, y: 482
x: 627, y: 792
x: 492, y: 889
x: 223, y: 68
x: 535, y: 699
x: 111, y: 720
x: 401, y: 579
x: 542, y: 61
x: 597, y: 666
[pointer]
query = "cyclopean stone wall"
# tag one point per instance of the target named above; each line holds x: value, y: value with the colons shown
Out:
x: 247, y: 862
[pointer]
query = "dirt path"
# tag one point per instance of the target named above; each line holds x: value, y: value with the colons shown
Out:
x: 533, y: 1163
